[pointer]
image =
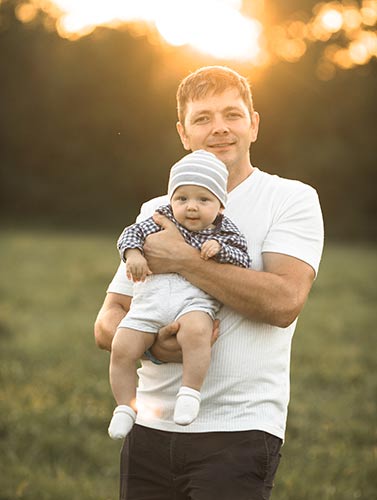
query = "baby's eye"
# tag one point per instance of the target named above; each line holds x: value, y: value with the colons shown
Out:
x: 204, y: 199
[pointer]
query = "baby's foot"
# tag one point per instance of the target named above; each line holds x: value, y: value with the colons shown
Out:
x: 122, y: 422
x: 187, y: 406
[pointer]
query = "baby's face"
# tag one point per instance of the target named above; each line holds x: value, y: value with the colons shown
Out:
x: 195, y: 207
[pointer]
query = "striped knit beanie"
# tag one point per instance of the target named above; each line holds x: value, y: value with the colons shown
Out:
x: 200, y: 168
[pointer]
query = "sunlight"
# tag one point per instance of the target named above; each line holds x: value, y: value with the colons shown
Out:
x: 215, y: 27
x: 369, y: 12
x: 358, y: 52
x: 352, y: 18
x: 80, y: 18
x: 26, y: 12
x: 332, y: 20
x: 220, y: 28
x: 228, y: 35
x: 150, y: 412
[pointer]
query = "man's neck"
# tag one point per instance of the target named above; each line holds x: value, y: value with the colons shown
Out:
x: 236, y: 178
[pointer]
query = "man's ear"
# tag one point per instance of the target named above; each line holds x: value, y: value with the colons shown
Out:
x: 182, y: 135
x: 254, y: 126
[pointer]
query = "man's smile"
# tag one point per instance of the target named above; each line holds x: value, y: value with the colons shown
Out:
x: 221, y: 144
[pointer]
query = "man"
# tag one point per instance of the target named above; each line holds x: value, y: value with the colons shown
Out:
x: 232, y: 450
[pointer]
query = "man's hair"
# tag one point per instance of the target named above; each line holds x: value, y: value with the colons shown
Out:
x: 211, y: 80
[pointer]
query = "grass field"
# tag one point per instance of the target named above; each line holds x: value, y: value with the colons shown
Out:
x: 55, y: 400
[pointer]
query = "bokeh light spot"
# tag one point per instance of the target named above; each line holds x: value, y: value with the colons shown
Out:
x: 26, y: 12
x: 331, y: 20
x: 221, y: 28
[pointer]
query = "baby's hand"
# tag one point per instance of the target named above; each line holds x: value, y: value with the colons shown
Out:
x: 209, y: 249
x: 136, y: 265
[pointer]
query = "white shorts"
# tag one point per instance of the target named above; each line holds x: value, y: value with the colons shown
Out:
x: 163, y: 298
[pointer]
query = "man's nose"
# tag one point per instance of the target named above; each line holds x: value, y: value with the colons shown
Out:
x: 220, y: 126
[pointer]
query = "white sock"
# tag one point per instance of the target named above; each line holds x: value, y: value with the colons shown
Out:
x: 122, y: 422
x: 187, y: 406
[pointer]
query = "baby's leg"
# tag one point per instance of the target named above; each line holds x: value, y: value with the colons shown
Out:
x: 127, y: 348
x: 194, y: 337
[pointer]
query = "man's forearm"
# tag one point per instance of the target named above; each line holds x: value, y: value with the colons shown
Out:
x: 105, y: 328
x: 114, y: 309
x: 274, y: 296
x: 260, y: 296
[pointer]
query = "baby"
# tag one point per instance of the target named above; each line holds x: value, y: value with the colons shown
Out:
x: 198, y: 194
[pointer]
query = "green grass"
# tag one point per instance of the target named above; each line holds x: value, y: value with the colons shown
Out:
x: 55, y: 400
x: 331, y: 442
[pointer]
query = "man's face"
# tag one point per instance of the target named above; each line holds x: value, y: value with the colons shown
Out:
x: 220, y: 124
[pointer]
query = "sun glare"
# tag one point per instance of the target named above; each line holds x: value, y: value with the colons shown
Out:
x: 332, y: 20
x: 221, y: 28
x: 215, y: 27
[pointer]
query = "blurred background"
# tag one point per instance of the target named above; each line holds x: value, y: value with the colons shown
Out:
x: 87, y: 134
x: 87, y: 122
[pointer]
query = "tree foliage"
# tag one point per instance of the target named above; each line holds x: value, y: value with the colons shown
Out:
x: 87, y: 128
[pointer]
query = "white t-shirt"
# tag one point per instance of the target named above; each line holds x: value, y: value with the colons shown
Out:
x: 247, y: 385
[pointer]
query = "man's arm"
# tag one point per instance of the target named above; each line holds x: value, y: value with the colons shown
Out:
x: 274, y: 296
x: 113, y: 310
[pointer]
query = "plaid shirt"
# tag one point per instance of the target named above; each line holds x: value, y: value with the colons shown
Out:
x: 233, y: 243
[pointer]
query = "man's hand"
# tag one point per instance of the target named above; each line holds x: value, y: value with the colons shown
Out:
x: 166, y: 347
x: 166, y: 249
x: 209, y: 249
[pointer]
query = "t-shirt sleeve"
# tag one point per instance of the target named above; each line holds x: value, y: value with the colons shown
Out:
x: 297, y: 228
x: 120, y: 283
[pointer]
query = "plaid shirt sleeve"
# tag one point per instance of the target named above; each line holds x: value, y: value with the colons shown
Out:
x: 233, y: 245
x: 134, y: 236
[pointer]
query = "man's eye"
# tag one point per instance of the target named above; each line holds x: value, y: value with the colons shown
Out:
x: 201, y: 119
x: 233, y: 116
